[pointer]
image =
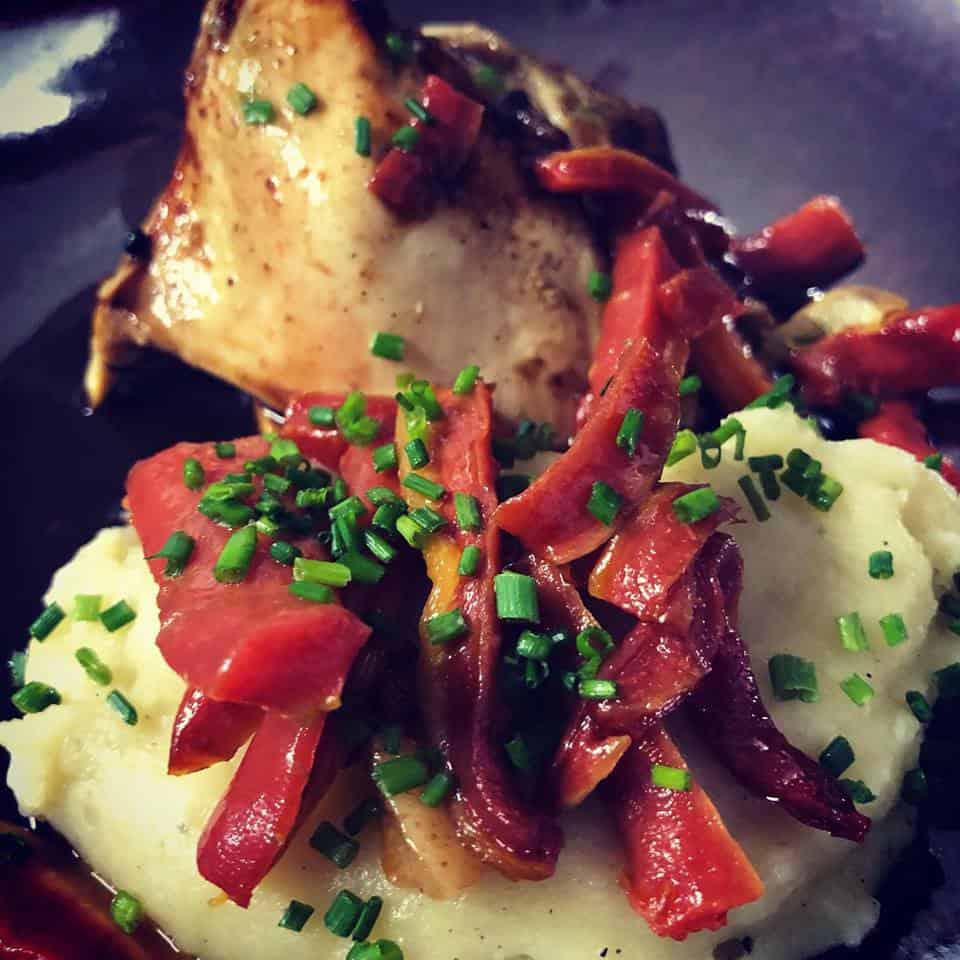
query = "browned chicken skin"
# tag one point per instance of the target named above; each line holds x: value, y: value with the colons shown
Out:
x: 272, y: 264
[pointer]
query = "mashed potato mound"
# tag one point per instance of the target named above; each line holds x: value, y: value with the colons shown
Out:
x: 103, y: 784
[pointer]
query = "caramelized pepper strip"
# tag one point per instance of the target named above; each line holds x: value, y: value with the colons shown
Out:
x: 550, y: 517
x: 896, y: 424
x: 208, y: 731
x: 460, y: 677
x: 909, y: 351
x: 812, y: 246
x: 731, y: 717
x: 236, y: 642
x: 684, y: 871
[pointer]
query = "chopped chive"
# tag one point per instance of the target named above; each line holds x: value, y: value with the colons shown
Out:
x: 398, y: 47
x: 313, y: 497
x: 488, y: 78
x: 770, y: 484
x: 446, y: 626
x: 683, y: 445
x: 367, y: 919
x: 224, y: 449
x: 94, y: 667
x: 418, y: 110
x: 285, y: 553
x: 314, y: 592
x: 276, y: 484
x: 765, y: 464
x: 321, y: 416
x: 469, y: 561
x: 421, y: 485
x: 17, y: 665
x: 193, y: 474
x: 534, y: 646
x: 837, y: 756
x: 385, y: 458
x: 437, y: 790
x: 230, y: 513
x: 919, y: 706
x: 857, y: 689
x: 604, y: 502
x: 342, y: 915
x: 880, y: 565
x: 380, y: 950
x: 599, y: 285
x: 35, y: 697
x: 256, y: 113
x: 117, y: 616
x: 225, y: 490
x: 631, y: 427
x: 296, y: 916
x: 362, y: 814
x: 466, y: 379
x: 43, y: 626
x: 124, y: 707
x: 412, y: 532
x: 934, y: 461
x: 467, y: 509
x: 235, y: 558
x: 778, y: 395
x: 302, y: 99
x: 914, y: 788
x: 511, y: 485
x: 176, y: 551
x: 670, y: 778
x: 519, y: 753
x: 695, y: 505
x: 387, y: 346
x: 382, y: 495
x: 852, y: 634
x: 400, y: 775
x: 793, y: 678
x: 126, y: 911
x: 321, y: 571
x: 361, y: 136
x: 894, y: 629
x: 266, y: 463
x: 337, y: 847
x: 516, y: 596
x: 386, y: 515
x: 416, y: 451
x: 362, y: 431
x: 383, y: 551
x: 406, y: 138
x: 593, y: 689
x: 363, y: 569
x: 689, y: 385
x: 858, y: 791
x: 825, y: 494
x: 757, y: 504
x: 594, y: 643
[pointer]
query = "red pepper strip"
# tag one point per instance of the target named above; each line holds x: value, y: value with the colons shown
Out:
x: 326, y: 444
x: 236, y: 642
x: 896, y: 424
x: 403, y: 179
x: 811, y: 247
x: 208, y: 731
x: 357, y: 470
x: 684, y: 871
x: 460, y: 678
x: 731, y: 717
x: 550, y: 517
x: 613, y: 169
x: 910, y: 351
x: 252, y: 823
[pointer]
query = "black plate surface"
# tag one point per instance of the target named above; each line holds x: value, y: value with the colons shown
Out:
x: 767, y: 104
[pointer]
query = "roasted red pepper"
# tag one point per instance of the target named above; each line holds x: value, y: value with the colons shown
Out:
x: 208, y: 731
x: 404, y: 179
x: 811, y: 247
x: 237, y: 642
x: 684, y: 871
x: 731, y: 717
x: 551, y: 516
x: 909, y: 351
x: 896, y: 424
x: 462, y: 705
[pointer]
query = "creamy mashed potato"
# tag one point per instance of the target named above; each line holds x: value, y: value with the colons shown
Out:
x: 103, y: 784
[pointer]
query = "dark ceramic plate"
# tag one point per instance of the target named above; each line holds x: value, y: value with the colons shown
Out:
x: 767, y: 104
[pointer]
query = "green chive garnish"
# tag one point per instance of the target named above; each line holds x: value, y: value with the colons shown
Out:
x: 419, y: 484
x: 176, y: 551
x: 414, y: 534
x: 388, y: 346
x: 446, y: 626
x: 670, y: 778
x: 295, y: 916
x: 43, y: 626
x: 437, y: 790
x: 516, y: 596
x: 35, y: 697
x: 362, y: 814
x: 406, y: 138
x: 919, y: 706
x: 302, y: 99
x: 631, y: 427
x: 285, y: 553
x: 321, y: 571
x: 117, y: 616
x: 334, y: 845
x: 367, y: 919
x: 428, y: 519
x: 400, y: 775
x: 934, y: 461
x: 342, y: 915
x: 94, y: 667
x: 398, y: 47
x: 757, y: 504
x: 695, y: 505
x: 225, y: 449
x: 235, y: 558
x: 193, y: 474
x: 385, y: 552
x: 852, y: 634
x: 837, y: 756
x: 469, y: 561
x: 793, y: 678
x: 321, y: 416
x: 857, y: 689
x: 416, y: 451
x: 689, y: 385
x: 362, y: 569
x: 380, y: 950
x: 18, y: 668
x: 825, y: 494
x: 778, y: 395
x: 361, y: 136
x: 385, y: 458
x: 594, y: 689
x: 599, y: 285
x: 765, y: 464
x: 466, y: 380
x: 894, y: 629
x: 684, y: 444
x: 124, y: 707
x: 604, y: 502
x: 126, y: 911
x: 880, y: 565
x: 314, y: 592
x: 467, y: 509
x: 256, y: 113
x: 418, y: 110
x: 858, y: 791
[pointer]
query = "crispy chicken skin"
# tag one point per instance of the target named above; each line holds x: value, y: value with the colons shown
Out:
x: 272, y: 264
